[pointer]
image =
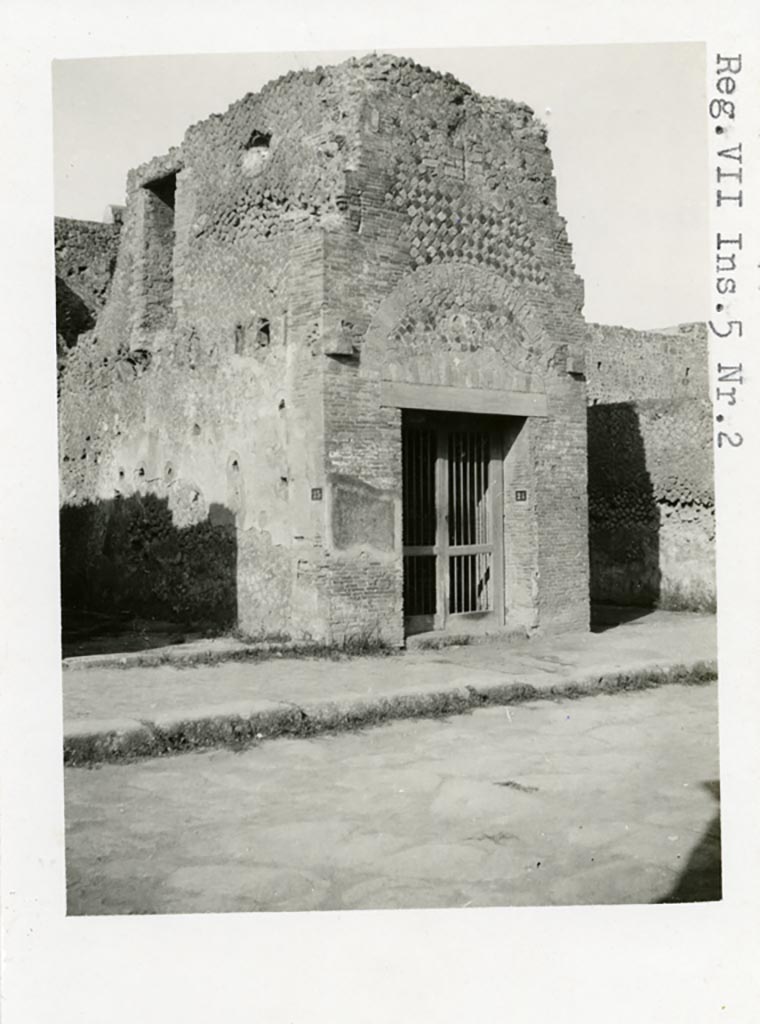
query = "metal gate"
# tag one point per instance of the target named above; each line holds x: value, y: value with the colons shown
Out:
x: 470, y: 548
x: 451, y: 522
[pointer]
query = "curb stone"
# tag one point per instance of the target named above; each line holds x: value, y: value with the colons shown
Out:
x: 123, y: 741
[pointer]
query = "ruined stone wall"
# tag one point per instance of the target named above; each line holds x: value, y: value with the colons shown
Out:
x: 200, y: 385
x: 651, y: 498
x: 85, y: 255
x: 231, y: 382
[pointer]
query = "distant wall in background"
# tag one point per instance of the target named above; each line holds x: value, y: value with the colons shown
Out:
x: 85, y: 257
x: 651, y: 491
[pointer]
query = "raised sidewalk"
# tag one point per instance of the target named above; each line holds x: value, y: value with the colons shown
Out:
x: 116, y: 708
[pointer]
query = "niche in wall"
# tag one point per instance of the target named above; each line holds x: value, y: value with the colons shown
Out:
x: 158, y: 233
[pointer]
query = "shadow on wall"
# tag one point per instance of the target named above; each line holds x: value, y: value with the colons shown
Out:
x: 624, y: 519
x: 125, y: 556
x: 72, y: 314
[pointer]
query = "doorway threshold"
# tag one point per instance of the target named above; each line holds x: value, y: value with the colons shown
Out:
x: 438, y: 638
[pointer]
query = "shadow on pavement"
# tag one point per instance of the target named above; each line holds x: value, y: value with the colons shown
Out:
x: 608, y: 616
x: 89, y: 633
x: 701, y: 880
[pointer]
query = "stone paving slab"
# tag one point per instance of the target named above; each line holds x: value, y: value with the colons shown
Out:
x: 611, y: 799
x: 108, y: 709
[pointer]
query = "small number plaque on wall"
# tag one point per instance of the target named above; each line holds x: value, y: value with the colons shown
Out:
x: 316, y: 494
x: 521, y: 495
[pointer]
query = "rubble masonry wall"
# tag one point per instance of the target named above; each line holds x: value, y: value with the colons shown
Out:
x: 651, y: 492
x: 85, y: 255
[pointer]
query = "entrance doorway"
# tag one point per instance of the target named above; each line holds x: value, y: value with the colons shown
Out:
x: 452, y: 522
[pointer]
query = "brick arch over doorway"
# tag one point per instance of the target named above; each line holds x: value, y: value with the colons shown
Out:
x: 457, y: 325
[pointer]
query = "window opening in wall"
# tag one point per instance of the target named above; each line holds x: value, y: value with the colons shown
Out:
x: 158, y: 282
x: 259, y: 140
x: 239, y: 339
x: 253, y: 336
x: 262, y: 332
x: 164, y: 189
x: 256, y: 151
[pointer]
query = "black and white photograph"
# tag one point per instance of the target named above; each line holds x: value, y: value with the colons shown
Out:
x: 378, y: 581
x: 387, y: 570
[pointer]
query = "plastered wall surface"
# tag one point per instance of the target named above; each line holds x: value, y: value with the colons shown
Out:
x: 651, y: 490
x: 342, y: 229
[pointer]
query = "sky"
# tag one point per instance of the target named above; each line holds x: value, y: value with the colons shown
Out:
x: 627, y: 130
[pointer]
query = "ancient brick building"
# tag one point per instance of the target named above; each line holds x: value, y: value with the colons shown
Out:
x: 337, y: 385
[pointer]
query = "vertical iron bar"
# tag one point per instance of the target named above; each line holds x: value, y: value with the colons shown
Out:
x: 471, y: 487
x: 484, y: 489
x: 475, y: 469
x: 416, y: 475
x: 423, y: 460
x: 467, y: 487
x: 416, y: 471
x: 455, y: 506
x: 423, y: 488
x: 433, y: 487
x: 481, y: 491
x: 455, y: 488
x: 487, y: 493
x: 468, y: 484
x: 461, y: 489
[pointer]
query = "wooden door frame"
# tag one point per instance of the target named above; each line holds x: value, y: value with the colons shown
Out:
x: 442, y: 620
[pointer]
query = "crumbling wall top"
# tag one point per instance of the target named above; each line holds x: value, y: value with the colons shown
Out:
x: 346, y: 83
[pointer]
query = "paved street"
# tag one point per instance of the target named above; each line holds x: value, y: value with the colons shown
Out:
x: 607, y: 799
